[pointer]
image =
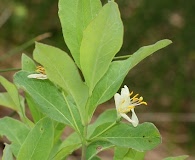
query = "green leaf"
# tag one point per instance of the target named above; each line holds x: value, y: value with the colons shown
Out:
x: 94, y: 148
x: 70, y: 144
x: 39, y: 141
x: 49, y: 100
x: 28, y: 64
x: 6, y: 101
x: 102, y: 39
x: 107, y: 116
x: 142, y: 138
x: 12, y: 95
x: 112, y: 80
x: 7, y: 153
x: 75, y: 15
x: 13, y: 100
x: 128, y: 154
x: 62, y: 71
x: 15, y: 131
x: 183, y: 157
x: 34, y: 110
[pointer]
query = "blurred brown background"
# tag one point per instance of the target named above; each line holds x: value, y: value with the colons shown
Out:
x: 166, y: 79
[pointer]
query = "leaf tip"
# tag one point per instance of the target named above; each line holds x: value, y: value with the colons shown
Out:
x: 167, y: 41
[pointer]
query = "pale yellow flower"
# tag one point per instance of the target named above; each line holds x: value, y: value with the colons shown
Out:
x: 124, y: 104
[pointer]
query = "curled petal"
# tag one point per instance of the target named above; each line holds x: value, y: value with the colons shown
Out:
x: 126, y: 117
x: 134, y: 122
x: 117, y: 99
x: 38, y: 76
x: 125, y: 91
x: 134, y: 118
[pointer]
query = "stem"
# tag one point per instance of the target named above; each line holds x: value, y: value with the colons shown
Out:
x: 84, y: 136
x: 122, y: 57
x: 10, y: 69
x: 84, y: 143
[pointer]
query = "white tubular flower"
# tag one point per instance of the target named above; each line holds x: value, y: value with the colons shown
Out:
x: 37, y: 76
x: 124, y: 104
x: 40, y: 73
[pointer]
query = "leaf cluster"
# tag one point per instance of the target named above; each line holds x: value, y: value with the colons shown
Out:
x: 75, y: 87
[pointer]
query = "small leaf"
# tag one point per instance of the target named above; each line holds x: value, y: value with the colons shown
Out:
x: 15, y: 131
x: 62, y: 71
x: 49, y: 100
x: 102, y: 39
x: 128, y: 154
x: 94, y: 148
x: 71, y: 143
x: 28, y: 64
x: 75, y: 15
x: 112, y: 80
x: 39, y: 141
x: 142, y: 138
x: 7, y: 153
x: 183, y: 157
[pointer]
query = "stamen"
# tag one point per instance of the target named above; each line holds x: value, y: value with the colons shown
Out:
x: 131, y: 93
x: 40, y: 69
x: 135, y: 96
x: 140, y: 99
x: 131, y: 107
x: 135, y: 99
x: 144, y: 103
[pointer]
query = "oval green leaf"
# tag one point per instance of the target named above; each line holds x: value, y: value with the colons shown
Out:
x: 61, y: 70
x: 142, y: 138
x: 102, y: 39
x: 49, y: 100
x: 74, y: 16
